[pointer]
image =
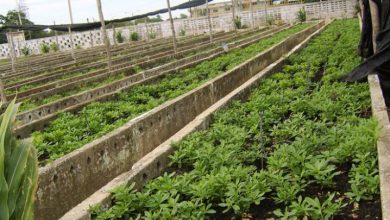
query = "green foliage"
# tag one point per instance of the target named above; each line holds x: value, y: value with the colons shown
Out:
x: 78, y: 47
x: 25, y: 51
x: 306, y: 128
x: 270, y: 20
x: 119, y: 37
x: 301, y: 15
x: 134, y: 36
x: 182, y: 32
x: 152, y: 35
x: 44, y: 48
x: 18, y: 171
x: 237, y: 22
x: 97, y: 119
x: 54, y: 47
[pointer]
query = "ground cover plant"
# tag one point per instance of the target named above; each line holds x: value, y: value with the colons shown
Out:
x: 33, y: 103
x: 301, y: 147
x: 73, y: 130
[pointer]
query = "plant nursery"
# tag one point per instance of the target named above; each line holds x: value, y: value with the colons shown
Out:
x: 240, y: 109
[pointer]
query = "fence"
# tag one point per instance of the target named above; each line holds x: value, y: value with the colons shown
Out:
x: 318, y: 10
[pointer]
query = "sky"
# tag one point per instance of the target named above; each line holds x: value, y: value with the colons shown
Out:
x: 48, y: 11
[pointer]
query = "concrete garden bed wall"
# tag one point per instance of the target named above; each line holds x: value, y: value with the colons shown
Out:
x: 154, y: 163
x: 38, y: 118
x: 69, y: 180
x: 380, y: 111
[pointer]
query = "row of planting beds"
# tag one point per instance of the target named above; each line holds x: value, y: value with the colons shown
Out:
x: 297, y: 145
x: 76, y: 97
x: 67, y: 181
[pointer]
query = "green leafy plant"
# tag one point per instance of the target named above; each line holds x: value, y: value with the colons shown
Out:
x: 44, y: 48
x: 152, y: 35
x: 119, y: 37
x: 78, y: 47
x: 25, y: 51
x: 182, y: 32
x: 54, y: 47
x: 270, y: 20
x: 134, y: 36
x: 237, y: 22
x: 301, y: 15
x: 18, y: 171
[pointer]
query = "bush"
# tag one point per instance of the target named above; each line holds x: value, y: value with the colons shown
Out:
x: 54, y: 47
x: 270, y: 20
x: 44, y: 48
x: 78, y: 47
x: 18, y: 171
x: 119, y: 37
x: 237, y: 22
x: 134, y: 36
x: 152, y: 35
x: 182, y: 33
x: 301, y: 15
x: 25, y: 51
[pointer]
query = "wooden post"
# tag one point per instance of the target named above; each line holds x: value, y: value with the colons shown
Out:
x: 114, y: 35
x: 12, y: 50
x: 266, y: 12
x: 146, y: 29
x: 2, y: 93
x: 251, y: 11
x: 209, y: 20
x: 106, y: 41
x: 70, y: 30
x: 90, y: 35
x: 56, y: 34
x: 172, y: 27
x: 375, y: 22
x: 234, y: 15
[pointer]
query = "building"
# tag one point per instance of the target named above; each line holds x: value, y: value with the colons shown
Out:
x: 240, y: 5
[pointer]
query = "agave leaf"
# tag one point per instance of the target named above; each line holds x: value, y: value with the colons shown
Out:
x: 16, y: 168
x: 4, y: 150
x: 25, y: 202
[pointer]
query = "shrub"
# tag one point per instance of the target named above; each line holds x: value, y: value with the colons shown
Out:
x: 54, y: 47
x: 119, y: 37
x: 237, y: 22
x: 301, y: 15
x: 182, y: 33
x: 134, y: 36
x: 25, y: 51
x: 152, y: 35
x: 44, y: 48
x: 270, y: 20
x: 18, y: 171
x: 78, y: 47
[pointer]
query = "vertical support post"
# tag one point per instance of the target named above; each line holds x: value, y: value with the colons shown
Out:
x: 56, y: 34
x: 146, y: 29
x: 2, y: 93
x: 234, y: 15
x: 251, y: 11
x: 70, y: 30
x: 114, y: 35
x: 209, y: 20
x: 172, y: 27
x: 12, y: 50
x: 266, y: 11
x: 104, y: 31
x: 375, y: 22
x: 90, y: 35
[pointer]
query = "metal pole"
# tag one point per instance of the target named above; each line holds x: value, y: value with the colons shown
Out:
x: 104, y: 31
x: 172, y: 27
x: 210, y: 24
x: 70, y: 30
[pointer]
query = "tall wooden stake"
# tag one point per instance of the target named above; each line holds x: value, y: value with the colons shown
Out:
x: 251, y: 11
x: 234, y: 15
x: 106, y: 41
x: 209, y: 19
x: 12, y: 50
x: 114, y: 35
x: 70, y: 30
x: 172, y: 27
x: 56, y: 34
x: 90, y: 34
